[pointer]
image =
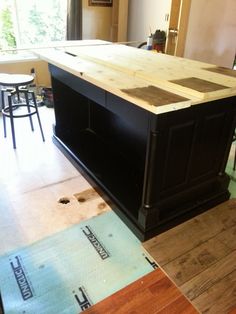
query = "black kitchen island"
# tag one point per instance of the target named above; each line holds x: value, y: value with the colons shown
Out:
x: 159, y: 167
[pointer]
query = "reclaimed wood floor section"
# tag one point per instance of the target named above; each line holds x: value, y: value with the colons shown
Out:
x: 154, y: 293
x: 200, y: 257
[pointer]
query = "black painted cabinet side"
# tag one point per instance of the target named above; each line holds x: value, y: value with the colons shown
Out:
x: 159, y: 170
x: 186, y: 161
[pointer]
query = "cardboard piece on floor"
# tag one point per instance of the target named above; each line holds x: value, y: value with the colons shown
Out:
x: 73, y: 269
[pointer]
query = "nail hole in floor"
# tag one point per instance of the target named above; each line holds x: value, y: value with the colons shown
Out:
x: 64, y: 200
x: 81, y: 199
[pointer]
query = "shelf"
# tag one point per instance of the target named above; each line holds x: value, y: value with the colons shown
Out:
x: 110, y: 168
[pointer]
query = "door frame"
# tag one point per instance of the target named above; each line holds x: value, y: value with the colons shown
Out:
x: 178, y: 24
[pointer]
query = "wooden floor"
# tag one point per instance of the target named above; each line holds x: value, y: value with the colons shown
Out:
x: 200, y: 257
x: 153, y: 293
x: 42, y: 193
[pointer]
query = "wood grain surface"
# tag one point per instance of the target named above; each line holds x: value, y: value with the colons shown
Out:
x: 153, y: 293
x: 199, y: 256
x: 118, y: 68
x: 221, y: 70
x: 154, y: 95
x: 199, y: 85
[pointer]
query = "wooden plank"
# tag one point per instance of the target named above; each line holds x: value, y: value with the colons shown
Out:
x: 222, y: 70
x: 220, y: 298
x: 154, y: 95
x: 199, y: 254
x: 153, y: 293
x: 116, y: 67
x: 155, y: 68
x: 228, y: 237
x: 122, y: 21
x: 173, y: 24
x: 199, y: 85
x: 192, y: 233
x: 182, y: 27
x: 107, y: 78
x: 209, y: 277
x: 192, y: 263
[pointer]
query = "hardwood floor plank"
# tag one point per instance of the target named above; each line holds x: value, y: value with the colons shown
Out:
x: 228, y: 237
x: 199, y: 254
x: 178, y: 306
x: 220, y: 298
x: 195, y: 261
x: 210, y: 277
x: 153, y: 293
x: 179, y: 240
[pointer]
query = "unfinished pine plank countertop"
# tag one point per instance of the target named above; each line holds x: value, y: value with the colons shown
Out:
x: 154, y: 81
x: 152, y: 130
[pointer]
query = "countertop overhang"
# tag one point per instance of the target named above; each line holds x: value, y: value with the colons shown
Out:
x: 153, y: 81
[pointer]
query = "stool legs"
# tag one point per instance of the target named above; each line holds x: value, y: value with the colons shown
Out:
x: 37, y: 113
x: 3, y: 117
x: 7, y: 111
x: 12, y: 121
x: 28, y: 108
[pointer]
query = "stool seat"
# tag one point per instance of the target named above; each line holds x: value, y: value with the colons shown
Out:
x: 15, y: 79
x: 16, y: 85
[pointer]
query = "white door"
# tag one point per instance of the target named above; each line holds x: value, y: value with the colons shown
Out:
x: 211, y: 35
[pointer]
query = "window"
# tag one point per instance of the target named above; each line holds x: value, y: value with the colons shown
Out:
x: 27, y: 22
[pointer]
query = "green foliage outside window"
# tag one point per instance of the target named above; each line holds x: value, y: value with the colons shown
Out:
x: 7, y: 36
x: 31, y: 22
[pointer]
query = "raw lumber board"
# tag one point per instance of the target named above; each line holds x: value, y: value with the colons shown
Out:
x: 222, y: 70
x: 72, y: 43
x: 153, y: 293
x: 156, y: 68
x: 109, y: 79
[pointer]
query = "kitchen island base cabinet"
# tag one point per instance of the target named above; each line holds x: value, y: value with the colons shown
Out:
x: 158, y: 170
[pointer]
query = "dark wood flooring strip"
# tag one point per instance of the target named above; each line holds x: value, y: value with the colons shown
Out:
x: 153, y: 293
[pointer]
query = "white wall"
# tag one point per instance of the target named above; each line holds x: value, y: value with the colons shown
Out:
x: 146, y: 14
x: 211, y: 35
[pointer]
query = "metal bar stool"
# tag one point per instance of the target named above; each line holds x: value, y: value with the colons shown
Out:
x: 16, y: 85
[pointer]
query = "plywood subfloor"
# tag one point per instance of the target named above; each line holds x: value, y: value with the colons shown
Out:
x: 41, y: 192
